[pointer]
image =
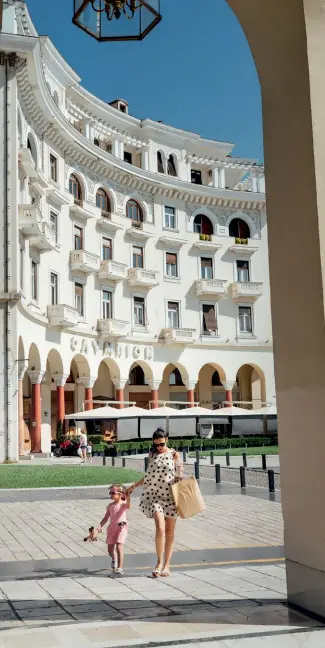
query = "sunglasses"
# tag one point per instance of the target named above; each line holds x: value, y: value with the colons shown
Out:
x: 159, y: 445
x: 115, y: 493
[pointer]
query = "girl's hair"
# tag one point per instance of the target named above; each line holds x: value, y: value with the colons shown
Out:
x: 120, y: 489
x: 159, y: 433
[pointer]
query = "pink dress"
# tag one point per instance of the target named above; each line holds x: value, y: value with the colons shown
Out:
x: 118, y: 527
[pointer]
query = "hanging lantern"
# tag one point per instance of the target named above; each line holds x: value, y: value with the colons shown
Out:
x: 117, y: 20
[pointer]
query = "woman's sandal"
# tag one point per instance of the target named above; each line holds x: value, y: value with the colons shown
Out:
x: 165, y: 573
x: 156, y: 572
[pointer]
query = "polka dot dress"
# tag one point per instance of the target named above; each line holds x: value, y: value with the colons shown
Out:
x: 157, y: 495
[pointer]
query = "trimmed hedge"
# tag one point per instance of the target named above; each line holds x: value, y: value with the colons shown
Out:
x: 197, y: 443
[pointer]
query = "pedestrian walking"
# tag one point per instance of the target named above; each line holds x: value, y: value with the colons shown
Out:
x: 117, y: 530
x: 83, y: 445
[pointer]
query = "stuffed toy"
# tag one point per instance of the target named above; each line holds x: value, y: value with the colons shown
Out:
x: 92, y: 535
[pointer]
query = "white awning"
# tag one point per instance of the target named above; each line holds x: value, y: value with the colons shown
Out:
x: 197, y: 411
x: 232, y: 411
x: 267, y: 411
x: 107, y: 413
x: 161, y: 412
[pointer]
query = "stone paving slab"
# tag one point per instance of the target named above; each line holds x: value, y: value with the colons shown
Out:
x: 222, y: 605
x: 55, y: 529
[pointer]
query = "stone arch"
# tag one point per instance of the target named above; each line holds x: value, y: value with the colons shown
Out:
x: 110, y: 196
x: 103, y: 387
x: 34, y: 358
x: 139, y: 391
x: 147, y: 371
x: 211, y: 392
x: 247, y: 219
x: 79, y: 366
x: 205, y: 212
x: 32, y: 145
x: 176, y: 392
x: 81, y: 179
x: 172, y: 164
x: 161, y: 161
x: 251, y: 385
x: 114, y: 368
x: 143, y: 206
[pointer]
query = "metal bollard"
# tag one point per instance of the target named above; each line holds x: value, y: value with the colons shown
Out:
x: 271, y: 481
x: 197, y: 456
x: 218, y: 474
x: 212, y: 458
x: 113, y: 461
x: 242, y: 477
x: 123, y: 462
x: 104, y: 459
x: 244, y: 455
x: 146, y: 462
x: 264, y: 461
x: 227, y: 458
x: 184, y: 455
x: 197, y: 470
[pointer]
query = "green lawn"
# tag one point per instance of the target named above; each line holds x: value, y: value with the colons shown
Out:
x: 13, y: 476
x: 235, y: 452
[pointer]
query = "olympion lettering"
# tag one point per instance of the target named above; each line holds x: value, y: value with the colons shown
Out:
x: 109, y: 350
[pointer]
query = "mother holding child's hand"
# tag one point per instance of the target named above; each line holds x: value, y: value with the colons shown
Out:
x: 157, y: 502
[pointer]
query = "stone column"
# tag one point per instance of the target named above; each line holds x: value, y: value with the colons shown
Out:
x: 36, y: 431
x: 190, y: 393
x: 145, y: 159
x: 215, y: 177
x: 115, y: 147
x: 222, y: 178
x: 88, y: 384
x: 21, y: 427
x: 60, y: 380
x: 228, y: 385
x: 154, y: 394
x: 119, y: 392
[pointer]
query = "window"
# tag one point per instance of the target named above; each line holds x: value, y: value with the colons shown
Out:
x: 134, y: 212
x: 75, y: 188
x: 196, y: 176
x: 79, y: 298
x: 245, y: 319
x: 170, y: 218
x: 78, y: 237
x: 171, y: 167
x: 136, y: 376
x: 160, y: 164
x: 54, y: 224
x: 173, y: 315
x: 242, y: 270
x: 202, y: 225
x: 34, y: 280
x: 216, y: 382
x: 128, y: 157
x: 206, y: 268
x: 175, y: 379
x: 106, y: 304
x: 171, y: 265
x: 53, y: 168
x: 54, y: 288
x: 209, y: 320
x: 139, y: 311
x: 107, y: 249
x: 137, y: 257
x: 102, y: 201
x: 22, y: 268
x: 239, y: 229
x: 96, y: 141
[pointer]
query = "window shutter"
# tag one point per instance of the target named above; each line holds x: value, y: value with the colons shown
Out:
x: 171, y: 258
x: 210, y: 319
x: 206, y: 263
x: 78, y: 289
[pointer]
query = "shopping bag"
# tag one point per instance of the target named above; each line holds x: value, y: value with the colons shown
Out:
x: 188, y: 498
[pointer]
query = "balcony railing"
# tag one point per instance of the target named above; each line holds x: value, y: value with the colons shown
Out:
x: 214, y: 287
x: 141, y: 277
x: 112, y: 328
x: 249, y: 290
x: 113, y: 270
x: 80, y: 208
x: 30, y: 220
x: 178, y: 335
x: 62, y: 316
x: 84, y: 261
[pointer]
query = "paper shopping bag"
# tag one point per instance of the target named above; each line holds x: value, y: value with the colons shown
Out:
x: 188, y: 498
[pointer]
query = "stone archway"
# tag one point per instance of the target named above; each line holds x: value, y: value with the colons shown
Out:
x: 288, y: 46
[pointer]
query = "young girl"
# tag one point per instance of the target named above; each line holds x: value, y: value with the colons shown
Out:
x: 118, y: 527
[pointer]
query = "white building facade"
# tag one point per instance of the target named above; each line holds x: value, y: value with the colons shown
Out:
x: 135, y: 254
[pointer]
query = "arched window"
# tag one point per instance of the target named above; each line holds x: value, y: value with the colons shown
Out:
x: 203, y: 225
x: 103, y: 201
x: 32, y: 148
x: 216, y: 382
x: 171, y: 166
x: 137, y: 376
x: 175, y: 379
x: 239, y: 229
x: 75, y: 188
x: 134, y: 212
x: 160, y: 163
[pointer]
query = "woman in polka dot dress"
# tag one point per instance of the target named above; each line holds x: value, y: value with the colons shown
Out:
x: 164, y: 468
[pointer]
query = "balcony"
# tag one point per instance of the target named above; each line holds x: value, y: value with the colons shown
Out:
x: 112, y: 270
x: 39, y: 233
x: 246, y: 290
x: 62, y: 316
x: 80, y: 209
x: 137, y: 231
x: 109, y: 222
x: 213, y: 288
x: 35, y: 176
x: 243, y: 247
x: 84, y: 261
x: 56, y: 197
x: 137, y: 277
x: 178, y: 335
x: 207, y: 243
x: 172, y: 242
x: 109, y: 328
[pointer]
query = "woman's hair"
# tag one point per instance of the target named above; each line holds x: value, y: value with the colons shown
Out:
x: 120, y: 489
x: 159, y: 433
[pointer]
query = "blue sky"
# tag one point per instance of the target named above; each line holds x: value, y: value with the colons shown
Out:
x: 194, y: 71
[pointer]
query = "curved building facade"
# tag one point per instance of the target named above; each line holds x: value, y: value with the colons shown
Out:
x: 135, y: 254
